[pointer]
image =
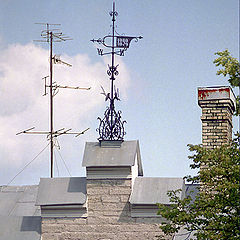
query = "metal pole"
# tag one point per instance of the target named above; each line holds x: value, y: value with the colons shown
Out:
x: 51, y: 103
x: 112, y: 76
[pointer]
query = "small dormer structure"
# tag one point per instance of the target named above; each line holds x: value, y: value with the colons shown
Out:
x: 112, y: 160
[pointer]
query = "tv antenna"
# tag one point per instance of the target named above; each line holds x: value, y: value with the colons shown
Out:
x: 51, y: 35
x: 111, y: 127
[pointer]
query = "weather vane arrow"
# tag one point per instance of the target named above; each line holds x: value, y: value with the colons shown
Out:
x: 121, y: 42
x: 111, y: 126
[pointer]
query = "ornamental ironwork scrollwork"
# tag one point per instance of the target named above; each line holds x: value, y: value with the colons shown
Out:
x: 112, y: 70
x: 111, y: 127
x: 113, y: 13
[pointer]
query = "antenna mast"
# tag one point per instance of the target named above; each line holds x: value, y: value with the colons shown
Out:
x: 53, y: 35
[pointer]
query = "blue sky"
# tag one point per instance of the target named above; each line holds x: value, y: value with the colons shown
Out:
x: 158, y: 78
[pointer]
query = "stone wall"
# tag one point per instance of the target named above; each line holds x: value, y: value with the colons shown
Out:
x: 109, y: 217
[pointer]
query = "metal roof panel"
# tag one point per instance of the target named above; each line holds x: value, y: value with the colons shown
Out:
x: 20, y: 228
x: 94, y: 155
x: 24, y: 209
x: 55, y: 191
x: 150, y: 190
x: 18, y: 201
x: 192, y: 190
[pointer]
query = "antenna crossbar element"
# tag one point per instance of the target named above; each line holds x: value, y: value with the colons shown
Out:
x: 56, y: 134
x: 66, y: 132
x: 52, y: 34
x: 35, y: 132
x: 28, y: 131
x: 60, y: 36
x: 25, y: 131
x: 78, y: 134
x: 57, y: 60
x: 77, y: 88
x: 55, y: 88
x: 50, y: 24
x: 59, y: 130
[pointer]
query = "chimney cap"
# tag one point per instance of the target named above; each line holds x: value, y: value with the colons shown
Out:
x: 216, y: 93
x: 124, y: 156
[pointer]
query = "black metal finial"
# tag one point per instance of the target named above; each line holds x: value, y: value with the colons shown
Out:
x: 111, y: 127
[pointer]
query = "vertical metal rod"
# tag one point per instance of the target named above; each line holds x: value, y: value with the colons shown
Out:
x: 51, y: 103
x: 48, y: 32
x: 112, y: 77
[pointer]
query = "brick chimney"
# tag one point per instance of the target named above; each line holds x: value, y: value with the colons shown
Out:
x: 218, y: 105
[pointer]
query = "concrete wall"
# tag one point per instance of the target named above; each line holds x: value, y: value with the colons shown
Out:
x: 109, y: 217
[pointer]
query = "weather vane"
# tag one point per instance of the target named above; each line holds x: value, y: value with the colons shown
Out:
x: 111, y: 127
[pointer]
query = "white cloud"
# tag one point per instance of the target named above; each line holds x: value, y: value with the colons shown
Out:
x: 22, y: 104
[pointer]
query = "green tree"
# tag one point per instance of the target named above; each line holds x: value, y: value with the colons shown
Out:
x: 215, y: 213
x: 230, y: 67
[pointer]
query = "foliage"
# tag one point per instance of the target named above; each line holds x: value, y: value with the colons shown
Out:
x: 215, y: 212
x: 231, y: 67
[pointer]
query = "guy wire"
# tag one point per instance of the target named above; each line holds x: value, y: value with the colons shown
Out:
x: 27, y: 165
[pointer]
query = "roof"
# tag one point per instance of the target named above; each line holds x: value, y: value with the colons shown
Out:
x: 149, y: 190
x: 18, y: 201
x: 183, y: 234
x: 19, y: 217
x: 97, y: 156
x: 55, y: 191
x: 192, y: 190
x: 20, y: 228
